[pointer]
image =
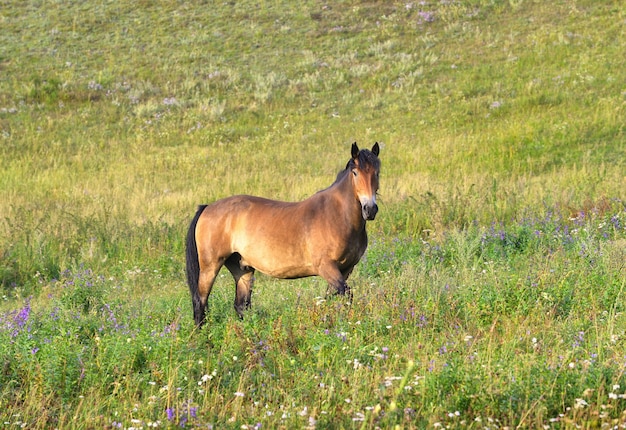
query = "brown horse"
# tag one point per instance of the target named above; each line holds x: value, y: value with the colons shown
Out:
x: 323, y: 235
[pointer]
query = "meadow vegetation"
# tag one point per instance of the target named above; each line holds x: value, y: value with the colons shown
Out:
x: 492, y: 293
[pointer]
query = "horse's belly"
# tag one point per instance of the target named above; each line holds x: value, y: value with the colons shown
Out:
x: 279, y: 266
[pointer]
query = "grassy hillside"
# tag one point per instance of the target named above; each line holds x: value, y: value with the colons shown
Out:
x: 491, y: 294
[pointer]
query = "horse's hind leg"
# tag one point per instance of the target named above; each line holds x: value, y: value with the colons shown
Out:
x: 244, y: 278
x: 205, y: 284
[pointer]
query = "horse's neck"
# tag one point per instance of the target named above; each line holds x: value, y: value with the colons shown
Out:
x: 349, y: 207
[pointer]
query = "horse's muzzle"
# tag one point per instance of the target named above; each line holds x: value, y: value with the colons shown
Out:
x: 369, y: 211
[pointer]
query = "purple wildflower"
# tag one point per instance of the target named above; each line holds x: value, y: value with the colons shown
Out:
x: 21, y: 318
x: 426, y: 16
x: 579, y: 339
x: 170, y: 414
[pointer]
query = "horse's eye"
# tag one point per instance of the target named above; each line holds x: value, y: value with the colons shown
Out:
x: 354, y: 172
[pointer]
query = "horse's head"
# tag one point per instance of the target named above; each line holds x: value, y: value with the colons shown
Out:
x: 365, y: 167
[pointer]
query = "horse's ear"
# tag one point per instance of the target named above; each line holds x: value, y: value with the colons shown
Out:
x: 355, y: 150
x: 375, y: 149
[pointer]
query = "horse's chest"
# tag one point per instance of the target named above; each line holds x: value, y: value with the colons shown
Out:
x: 352, y: 250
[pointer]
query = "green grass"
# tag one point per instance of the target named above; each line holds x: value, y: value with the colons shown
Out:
x: 492, y: 291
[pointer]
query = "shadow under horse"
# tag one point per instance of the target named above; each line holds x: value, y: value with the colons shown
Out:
x: 323, y: 235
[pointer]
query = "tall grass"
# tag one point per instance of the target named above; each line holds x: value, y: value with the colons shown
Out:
x: 518, y: 325
x: 492, y: 291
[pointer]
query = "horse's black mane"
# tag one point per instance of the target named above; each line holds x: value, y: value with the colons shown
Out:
x: 365, y: 156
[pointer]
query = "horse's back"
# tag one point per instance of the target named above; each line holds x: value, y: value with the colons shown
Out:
x: 244, y: 223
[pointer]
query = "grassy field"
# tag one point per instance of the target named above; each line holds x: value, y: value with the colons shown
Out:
x: 492, y: 293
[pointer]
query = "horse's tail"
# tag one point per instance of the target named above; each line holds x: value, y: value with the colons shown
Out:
x: 193, y: 267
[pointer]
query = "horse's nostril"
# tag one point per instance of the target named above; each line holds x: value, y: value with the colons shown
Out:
x: 370, y: 211
x: 373, y: 211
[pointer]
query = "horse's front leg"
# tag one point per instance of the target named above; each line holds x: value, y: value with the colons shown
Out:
x: 243, y: 292
x: 348, y: 290
x: 336, y: 279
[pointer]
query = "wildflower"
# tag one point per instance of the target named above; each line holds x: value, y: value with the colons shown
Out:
x: 579, y: 339
x: 580, y: 403
x: 422, y: 321
x: 94, y: 86
x: 426, y: 16
x: 23, y: 315
x: 384, y: 355
x: 359, y: 416
x: 205, y: 378
x: 170, y: 414
x: 238, y: 394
